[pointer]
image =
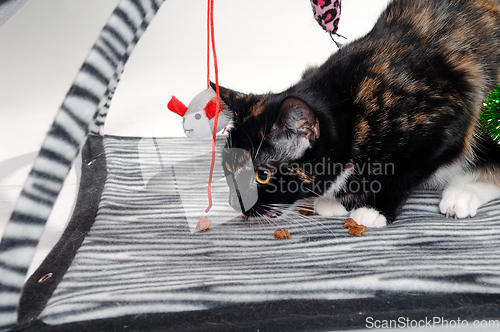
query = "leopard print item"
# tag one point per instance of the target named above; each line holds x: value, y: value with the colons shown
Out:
x: 327, y: 14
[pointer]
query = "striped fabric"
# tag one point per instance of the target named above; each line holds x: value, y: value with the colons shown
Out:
x: 82, y: 112
x: 142, y: 255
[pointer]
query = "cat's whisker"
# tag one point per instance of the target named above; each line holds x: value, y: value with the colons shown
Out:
x: 261, y: 141
x: 298, y: 218
x: 267, y: 222
x: 250, y: 140
x: 285, y: 211
x: 263, y: 221
x: 325, y: 226
x: 308, y: 202
x: 301, y: 225
x: 314, y: 193
x: 258, y: 149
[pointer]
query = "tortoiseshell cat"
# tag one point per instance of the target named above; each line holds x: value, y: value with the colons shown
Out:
x: 389, y: 112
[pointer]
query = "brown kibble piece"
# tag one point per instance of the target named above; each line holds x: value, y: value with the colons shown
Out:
x: 354, y: 228
x: 203, y: 224
x: 305, y: 210
x: 282, y: 234
x: 349, y: 223
x: 358, y: 231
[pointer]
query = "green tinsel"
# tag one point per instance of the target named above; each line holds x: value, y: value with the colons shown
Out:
x: 490, y: 119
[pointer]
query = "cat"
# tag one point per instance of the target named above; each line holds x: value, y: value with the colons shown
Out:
x: 390, y: 112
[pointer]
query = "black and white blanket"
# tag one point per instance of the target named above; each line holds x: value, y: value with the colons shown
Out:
x: 131, y: 259
x: 142, y: 261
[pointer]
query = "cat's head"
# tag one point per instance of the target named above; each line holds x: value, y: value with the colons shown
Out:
x: 271, y: 138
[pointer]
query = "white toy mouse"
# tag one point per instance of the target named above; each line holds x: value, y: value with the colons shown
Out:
x: 199, y: 115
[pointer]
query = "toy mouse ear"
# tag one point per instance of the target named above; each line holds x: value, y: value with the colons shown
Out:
x: 176, y: 106
x: 211, y: 108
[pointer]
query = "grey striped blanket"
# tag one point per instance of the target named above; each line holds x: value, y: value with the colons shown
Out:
x: 131, y: 259
x: 143, y: 255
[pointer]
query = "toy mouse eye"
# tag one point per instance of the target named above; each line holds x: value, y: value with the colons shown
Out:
x: 197, y: 116
x: 263, y: 177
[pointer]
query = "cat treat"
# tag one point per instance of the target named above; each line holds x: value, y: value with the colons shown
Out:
x: 354, y: 228
x: 273, y: 214
x: 281, y: 234
x: 306, y: 210
x: 203, y: 224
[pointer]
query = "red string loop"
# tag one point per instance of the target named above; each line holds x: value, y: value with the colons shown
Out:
x: 211, y: 37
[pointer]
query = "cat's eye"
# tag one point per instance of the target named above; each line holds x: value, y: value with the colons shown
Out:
x: 263, y: 177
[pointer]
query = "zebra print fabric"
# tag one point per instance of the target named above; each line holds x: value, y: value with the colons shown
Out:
x: 82, y: 112
x: 143, y: 255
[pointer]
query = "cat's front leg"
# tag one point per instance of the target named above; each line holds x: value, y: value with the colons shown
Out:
x: 368, y: 217
x: 463, y: 200
x: 329, y: 207
x: 379, y: 208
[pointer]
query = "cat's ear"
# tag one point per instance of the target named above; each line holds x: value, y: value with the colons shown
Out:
x: 237, y: 102
x: 297, y: 124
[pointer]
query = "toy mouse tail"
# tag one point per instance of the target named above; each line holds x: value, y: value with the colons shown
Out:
x: 176, y: 106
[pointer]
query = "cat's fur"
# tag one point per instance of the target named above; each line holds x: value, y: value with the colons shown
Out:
x: 393, y: 110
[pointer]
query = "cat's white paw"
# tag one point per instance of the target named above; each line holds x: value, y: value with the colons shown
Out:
x: 327, y: 208
x: 461, y: 202
x: 368, y: 217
